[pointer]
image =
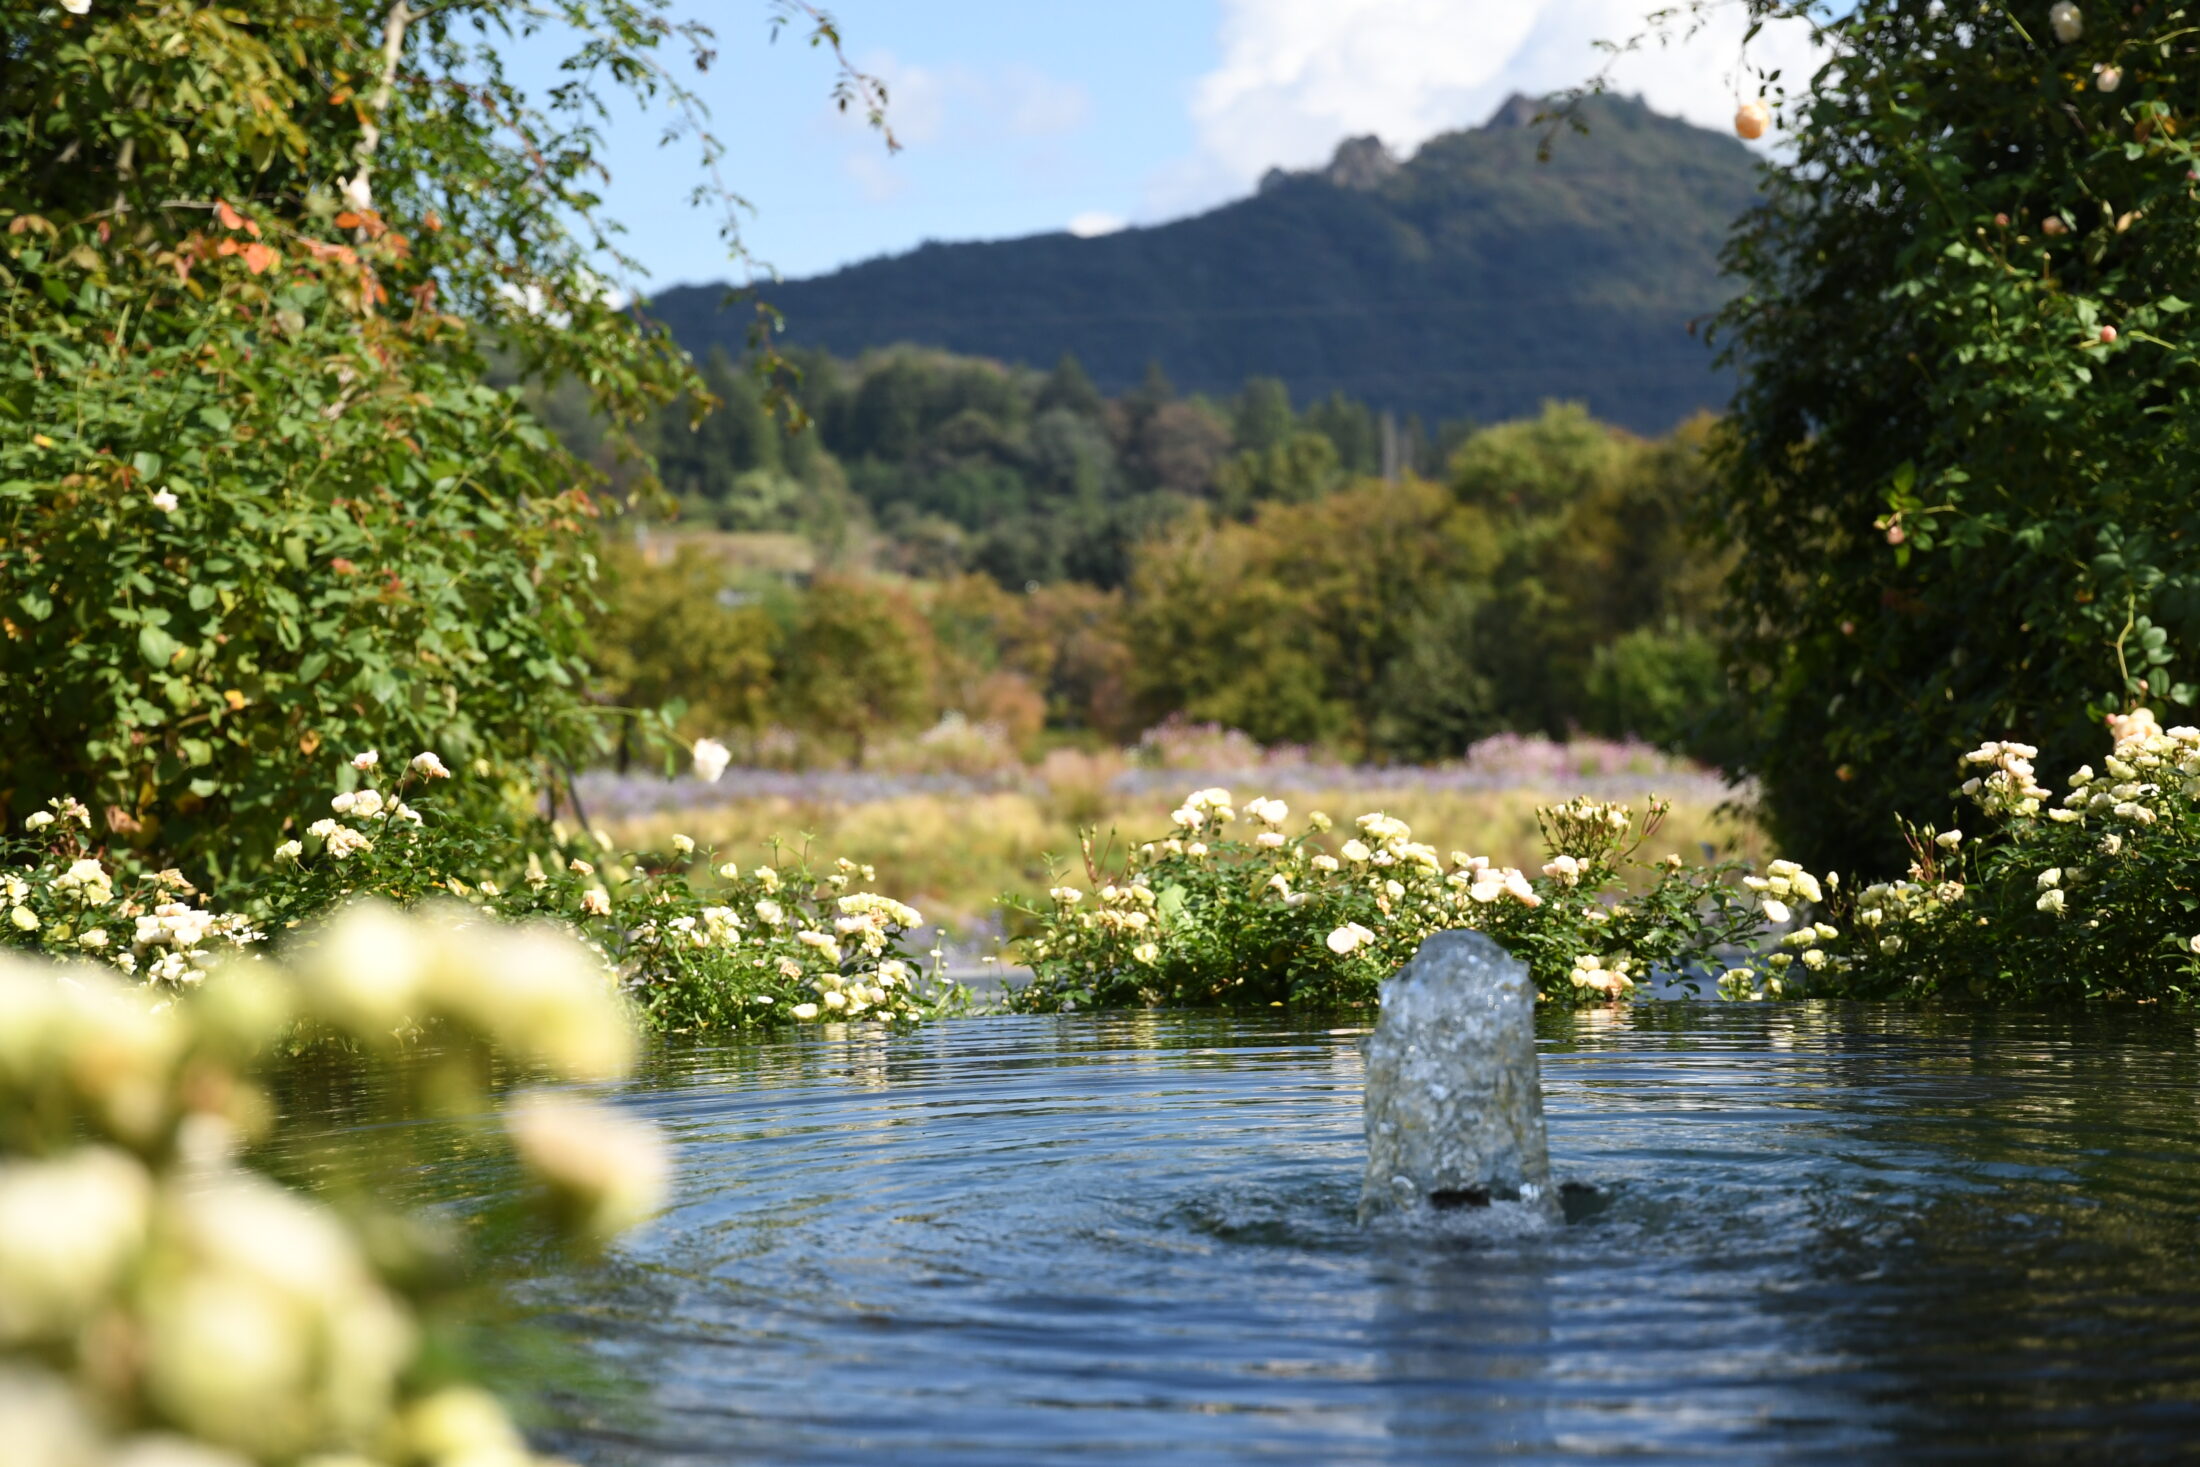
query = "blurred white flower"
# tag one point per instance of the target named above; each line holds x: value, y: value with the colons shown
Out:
x: 1776, y: 910
x: 428, y: 766
x: 166, y: 502
x: 2069, y: 24
x: 46, y: 1422
x: 1356, y: 851
x: 365, y: 761
x: 2051, y: 901
x: 68, y: 1228
x: 289, y: 850
x: 77, y: 7
x: 604, y: 1169
x: 711, y: 759
x: 596, y: 902
x: 683, y: 845
x: 459, y: 1424
x: 362, y: 971
x: 39, y: 820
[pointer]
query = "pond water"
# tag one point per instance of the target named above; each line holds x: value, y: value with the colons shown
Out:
x: 1823, y: 1234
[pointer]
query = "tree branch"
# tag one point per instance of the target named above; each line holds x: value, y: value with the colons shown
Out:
x: 360, y: 189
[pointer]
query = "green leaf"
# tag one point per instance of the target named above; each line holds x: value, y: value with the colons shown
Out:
x: 156, y: 646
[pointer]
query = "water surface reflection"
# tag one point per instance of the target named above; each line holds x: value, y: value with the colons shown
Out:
x: 1827, y: 1235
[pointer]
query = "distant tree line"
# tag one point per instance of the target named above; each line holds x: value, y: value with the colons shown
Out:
x: 961, y: 464
x: 1056, y: 563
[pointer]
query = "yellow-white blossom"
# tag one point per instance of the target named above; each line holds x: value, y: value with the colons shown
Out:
x: 1349, y: 938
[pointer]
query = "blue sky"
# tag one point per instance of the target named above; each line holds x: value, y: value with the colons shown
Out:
x: 1020, y: 116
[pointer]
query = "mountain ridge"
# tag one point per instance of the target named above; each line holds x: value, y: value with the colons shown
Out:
x: 1467, y: 281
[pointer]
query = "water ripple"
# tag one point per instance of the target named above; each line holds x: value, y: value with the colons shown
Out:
x: 1821, y: 1234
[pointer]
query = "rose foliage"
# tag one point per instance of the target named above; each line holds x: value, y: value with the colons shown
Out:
x: 256, y: 501
x: 1959, y: 470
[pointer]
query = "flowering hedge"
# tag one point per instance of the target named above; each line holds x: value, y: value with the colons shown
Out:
x: 700, y: 944
x: 1271, y: 917
x: 2095, y: 894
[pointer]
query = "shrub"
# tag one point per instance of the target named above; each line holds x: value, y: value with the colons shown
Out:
x: 698, y: 944
x: 255, y: 498
x: 1205, y: 919
x: 1959, y: 470
x: 2095, y: 895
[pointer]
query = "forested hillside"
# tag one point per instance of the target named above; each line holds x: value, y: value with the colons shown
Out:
x: 941, y: 464
x: 1471, y: 281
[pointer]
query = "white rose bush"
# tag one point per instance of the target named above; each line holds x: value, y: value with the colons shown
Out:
x: 2092, y: 894
x: 162, y: 1299
x: 1267, y: 917
x: 699, y: 944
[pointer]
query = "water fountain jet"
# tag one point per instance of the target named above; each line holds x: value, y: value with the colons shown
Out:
x: 1454, y: 1098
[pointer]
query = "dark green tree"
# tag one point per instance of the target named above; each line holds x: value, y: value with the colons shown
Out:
x: 1068, y: 387
x: 1959, y: 473
x: 1261, y: 417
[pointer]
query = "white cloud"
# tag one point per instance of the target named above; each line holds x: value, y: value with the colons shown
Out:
x: 1296, y: 76
x: 878, y: 175
x: 1095, y: 222
x: 955, y: 103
